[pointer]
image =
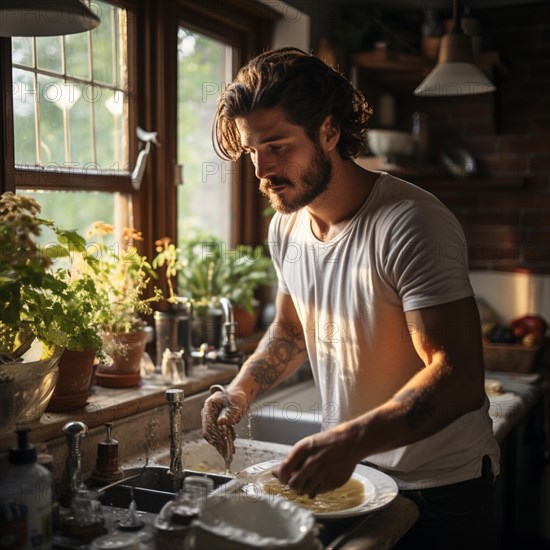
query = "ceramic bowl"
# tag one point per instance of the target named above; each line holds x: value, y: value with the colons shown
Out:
x: 390, y: 143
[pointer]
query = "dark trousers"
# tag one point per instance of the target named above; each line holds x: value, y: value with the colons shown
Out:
x: 454, y: 516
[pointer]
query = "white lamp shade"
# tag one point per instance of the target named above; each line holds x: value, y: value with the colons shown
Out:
x: 45, y: 17
x: 454, y: 78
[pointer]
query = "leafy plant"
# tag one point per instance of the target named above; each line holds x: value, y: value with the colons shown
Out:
x: 207, y: 269
x: 122, y: 276
x: 39, y: 301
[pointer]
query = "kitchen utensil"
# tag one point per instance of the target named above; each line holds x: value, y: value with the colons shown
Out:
x: 459, y: 162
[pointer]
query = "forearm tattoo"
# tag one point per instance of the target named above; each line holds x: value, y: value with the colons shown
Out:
x: 280, y: 353
x: 418, y: 407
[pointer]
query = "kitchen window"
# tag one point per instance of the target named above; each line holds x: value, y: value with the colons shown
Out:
x: 71, y: 130
x: 72, y: 104
x: 204, y: 199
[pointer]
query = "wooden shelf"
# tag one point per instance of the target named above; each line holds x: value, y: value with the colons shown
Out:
x: 433, y: 177
x: 385, y: 60
x: 388, y: 61
x: 432, y: 183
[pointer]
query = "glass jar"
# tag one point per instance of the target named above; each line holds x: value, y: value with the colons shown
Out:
x: 174, y: 520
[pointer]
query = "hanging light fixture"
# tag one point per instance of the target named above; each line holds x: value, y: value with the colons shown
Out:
x: 45, y: 17
x: 455, y: 73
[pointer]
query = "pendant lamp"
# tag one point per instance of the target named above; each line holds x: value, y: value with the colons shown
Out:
x: 455, y: 73
x: 45, y: 17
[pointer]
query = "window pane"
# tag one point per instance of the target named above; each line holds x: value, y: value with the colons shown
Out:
x: 24, y: 116
x: 78, y: 122
x: 80, y: 129
x: 21, y: 47
x: 102, y: 47
x: 76, y: 52
x: 204, y: 199
x: 73, y: 209
x: 52, y: 134
x: 48, y: 52
x: 111, y: 148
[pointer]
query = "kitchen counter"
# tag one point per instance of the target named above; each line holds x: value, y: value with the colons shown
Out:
x: 520, y: 393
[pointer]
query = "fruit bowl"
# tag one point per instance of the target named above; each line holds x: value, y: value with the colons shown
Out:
x: 390, y: 143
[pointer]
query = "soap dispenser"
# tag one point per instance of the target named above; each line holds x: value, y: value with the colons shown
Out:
x: 26, y: 498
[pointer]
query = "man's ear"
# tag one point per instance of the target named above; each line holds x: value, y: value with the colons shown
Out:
x: 329, y: 133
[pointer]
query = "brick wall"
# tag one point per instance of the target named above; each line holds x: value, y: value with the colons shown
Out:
x: 506, y: 211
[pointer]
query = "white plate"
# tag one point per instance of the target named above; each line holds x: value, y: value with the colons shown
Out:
x: 380, y: 489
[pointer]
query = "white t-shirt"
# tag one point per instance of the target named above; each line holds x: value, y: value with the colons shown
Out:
x: 403, y: 250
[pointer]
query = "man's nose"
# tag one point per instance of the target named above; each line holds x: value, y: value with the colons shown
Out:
x: 264, y: 166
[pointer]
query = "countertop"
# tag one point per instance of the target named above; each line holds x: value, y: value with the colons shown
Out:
x: 519, y: 394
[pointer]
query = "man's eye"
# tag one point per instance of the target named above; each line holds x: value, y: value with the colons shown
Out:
x: 276, y: 148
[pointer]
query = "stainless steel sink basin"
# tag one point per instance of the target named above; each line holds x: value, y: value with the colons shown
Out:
x: 151, y: 490
x: 285, y: 416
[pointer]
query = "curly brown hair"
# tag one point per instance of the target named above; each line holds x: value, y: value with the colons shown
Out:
x: 305, y: 87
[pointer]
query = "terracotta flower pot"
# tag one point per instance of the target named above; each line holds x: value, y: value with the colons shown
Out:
x: 128, y: 350
x: 247, y: 323
x: 76, y: 369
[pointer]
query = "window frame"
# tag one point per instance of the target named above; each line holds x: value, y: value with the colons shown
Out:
x: 71, y: 179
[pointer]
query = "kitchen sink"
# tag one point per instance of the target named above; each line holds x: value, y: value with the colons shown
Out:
x: 284, y: 416
x: 151, y: 490
x: 200, y: 456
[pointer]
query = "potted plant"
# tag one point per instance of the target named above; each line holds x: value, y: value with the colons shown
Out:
x: 42, y: 312
x: 84, y: 345
x: 121, y: 274
x: 207, y: 269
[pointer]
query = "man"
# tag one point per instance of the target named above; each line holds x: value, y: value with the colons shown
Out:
x: 373, y: 290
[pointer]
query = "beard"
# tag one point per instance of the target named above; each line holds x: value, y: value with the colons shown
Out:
x: 313, y: 183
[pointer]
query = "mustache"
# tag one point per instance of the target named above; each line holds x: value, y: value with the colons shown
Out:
x: 275, y: 182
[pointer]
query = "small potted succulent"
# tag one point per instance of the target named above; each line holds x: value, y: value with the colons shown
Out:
x: 43, y: 312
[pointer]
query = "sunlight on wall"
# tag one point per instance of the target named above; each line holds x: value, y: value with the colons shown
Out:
x: 513, y: 294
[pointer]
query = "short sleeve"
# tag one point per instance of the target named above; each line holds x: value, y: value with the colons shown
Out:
x: 426, y: 256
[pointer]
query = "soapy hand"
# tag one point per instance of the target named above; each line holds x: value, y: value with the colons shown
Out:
x: 220, y: 412
x: 319, y: 463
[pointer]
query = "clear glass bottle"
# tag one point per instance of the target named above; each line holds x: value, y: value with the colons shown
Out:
x: 174, y: 520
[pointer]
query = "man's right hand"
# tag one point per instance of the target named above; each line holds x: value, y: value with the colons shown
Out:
x: 220, y: 412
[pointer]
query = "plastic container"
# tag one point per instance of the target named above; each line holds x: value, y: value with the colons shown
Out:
x: 26, y: 499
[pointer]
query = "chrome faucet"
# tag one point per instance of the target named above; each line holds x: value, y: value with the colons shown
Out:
x: 71, y: 478
x: 229, y: 352
x: 175, y: 404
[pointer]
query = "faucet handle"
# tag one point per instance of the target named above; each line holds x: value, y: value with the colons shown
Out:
x: 75, y: 429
